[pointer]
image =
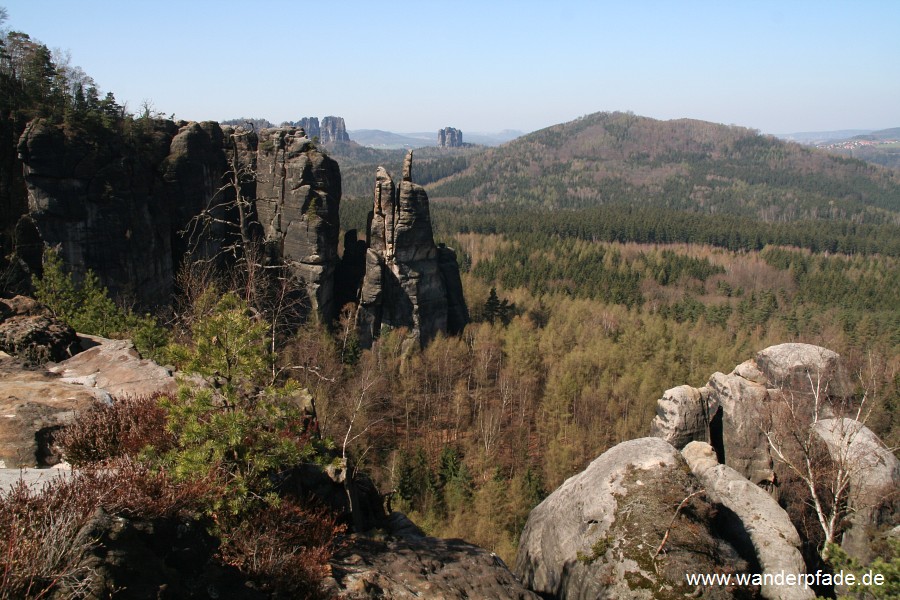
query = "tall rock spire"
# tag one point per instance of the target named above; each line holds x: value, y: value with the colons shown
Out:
x: 407, y: 276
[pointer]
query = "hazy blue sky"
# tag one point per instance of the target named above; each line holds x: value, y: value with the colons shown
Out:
x: 782, y: 66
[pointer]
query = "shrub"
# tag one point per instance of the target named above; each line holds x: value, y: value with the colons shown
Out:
x: 87, y: 307
x: 245, y: 443
x: 124, y: 428
x: 285, y: 548
x: 44, y: 543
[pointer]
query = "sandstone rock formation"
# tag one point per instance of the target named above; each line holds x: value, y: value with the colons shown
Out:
x: 448, y: 137
x: 787, y: 390
x: 102, y: 204
x: 116, y: 205
x: 311, y: 126
x: 874, y: 474
x: 410, y: 565
x: 334, y: 130
x: 33, y: 405
x: 133, y: 211
x: 115, y: 369
x: 298, y: 193
x: 407, y: 278
x: 752, y: 516
x: 726, y: 411
x: 596, y: 535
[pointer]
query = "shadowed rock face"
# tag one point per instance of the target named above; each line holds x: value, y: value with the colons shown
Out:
x: 103, y: 203
x: 298, y: 194
x: 334, y: 130
x: 450, y: 137
x: 409, y: 282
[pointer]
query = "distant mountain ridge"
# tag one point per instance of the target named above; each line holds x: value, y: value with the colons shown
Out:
x: 680, y: 164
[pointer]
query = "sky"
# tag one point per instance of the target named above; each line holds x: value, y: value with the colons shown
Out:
x: 483, y: 66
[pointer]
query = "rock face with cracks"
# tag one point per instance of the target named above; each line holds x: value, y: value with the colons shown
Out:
x: 298, y: 195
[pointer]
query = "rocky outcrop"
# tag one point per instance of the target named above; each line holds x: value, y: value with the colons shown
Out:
x: 115, y: 369
x: 448, y: 137
x: 298, y: 193
x: 406, y: 279
x: 752, y: 517
x: 727, y: 412
x: 333, y: 130
x: 787, y: 390
x: 30, y: 331
x: 33, y: 405
x: 596, y: 536
x: 133, y: 210
x: 410, y: 565
x: 192, y: 173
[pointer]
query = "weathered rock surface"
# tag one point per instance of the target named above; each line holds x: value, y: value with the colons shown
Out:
x: 115, y: 369
x: 407, y: 277
x: 410, y: 565
x: 33, y: 405
x: 752, y: 516
x: 193, y: 172
x: 803, y: 368
x: 449, y: 137
x: 298, y: 201
x: 102, y: 202
x: 33, y: 478
x: 596, y: 535
x: 311, y: 126
x: 29, y: 330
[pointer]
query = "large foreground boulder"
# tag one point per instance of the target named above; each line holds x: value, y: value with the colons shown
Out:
x: 33, y: 405
x: 116, y: 368
x: 600, y: 535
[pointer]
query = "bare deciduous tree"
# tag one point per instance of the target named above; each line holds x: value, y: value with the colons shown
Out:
x: 822, y: 441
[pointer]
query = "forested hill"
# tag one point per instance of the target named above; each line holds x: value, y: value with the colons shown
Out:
x: 682, y: 165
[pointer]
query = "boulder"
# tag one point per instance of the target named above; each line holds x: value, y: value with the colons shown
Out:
x: 729, y: 411
x: 406, y: 564
x: 681, y: 416
x: 29, y: 330
x: 803, y: 368
x: 754, y: 519
x: 597, y: 535
x: 874, y: 474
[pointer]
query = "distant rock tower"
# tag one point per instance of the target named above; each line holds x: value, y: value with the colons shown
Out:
x: 449, y: 137
x: 334, y: 130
